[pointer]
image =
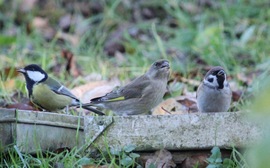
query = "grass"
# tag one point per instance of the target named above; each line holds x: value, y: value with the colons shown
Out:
x: 234, y: 35
x: 76, y: 157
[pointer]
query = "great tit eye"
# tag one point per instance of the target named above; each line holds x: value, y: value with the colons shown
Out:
x: 210, y: 80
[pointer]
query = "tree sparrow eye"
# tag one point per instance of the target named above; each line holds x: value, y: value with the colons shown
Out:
x: 210, y: 80
x: 220, y: 73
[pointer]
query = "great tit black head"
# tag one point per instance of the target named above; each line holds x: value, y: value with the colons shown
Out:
x: 47, y: 93
x: 33, y: 74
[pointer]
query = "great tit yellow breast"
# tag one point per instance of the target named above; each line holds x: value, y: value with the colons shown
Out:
x: 47, y: 99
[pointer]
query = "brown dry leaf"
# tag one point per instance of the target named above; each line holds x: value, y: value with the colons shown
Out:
x: 178, y: 105
x: 9, y: 72
x: 79, y: 91
x: 65, y: 22
x: 169, y: 106
x: 182, y: 79
x: 27, y: 5
x: 236, y: 95
x: 40, y: 22
x: 73, y: 39
x: 120, y: 57
x: 94, y: 89
x: 60, y: 150
x: 198, y: 161
x: 71, y: 66
x: 190, y: 7
x: 7, y: 75
x: 9, y: 84
x: 114, y: 44
x: 57, y: 68
x: 190, y: 81
x: 247, y: 78
x: 161, y: 159
x: 42, y: 26
x: 207, y: 3
x: 19, y: 97
x: 21, y: 106
x: 189, y: 102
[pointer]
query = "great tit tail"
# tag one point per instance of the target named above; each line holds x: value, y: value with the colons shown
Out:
x: 87, y: 107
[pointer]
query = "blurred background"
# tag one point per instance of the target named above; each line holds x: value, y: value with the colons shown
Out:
x: 84, y: 41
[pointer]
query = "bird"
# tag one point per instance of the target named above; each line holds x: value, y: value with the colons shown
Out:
x: 47, y: 93
x: 214, y: 93
x: 139, y: 96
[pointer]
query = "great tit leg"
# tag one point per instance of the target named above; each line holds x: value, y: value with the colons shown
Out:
x: 67, y: 110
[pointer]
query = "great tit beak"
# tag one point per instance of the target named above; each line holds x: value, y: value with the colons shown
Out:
x: 21, y: 70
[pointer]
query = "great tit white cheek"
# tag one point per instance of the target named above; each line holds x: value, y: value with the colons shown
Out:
x: 35, y: 75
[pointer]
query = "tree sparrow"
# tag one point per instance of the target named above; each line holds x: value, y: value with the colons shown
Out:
x: 214, y: 93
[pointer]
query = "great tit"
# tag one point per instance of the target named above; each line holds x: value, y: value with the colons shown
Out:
x: 47, y: 93
x: 139, y: 96
x: 214, y: 93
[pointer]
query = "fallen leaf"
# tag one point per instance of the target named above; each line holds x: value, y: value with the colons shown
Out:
x: 81, y: 25
x: 94, y: 89
x: 169, y: 106
x: 147, y: 13
x: 114, y: 46
x: 114, y: 42
x: 191, y: 7
x: 241, y: 26
x: 161, y: 159
x: 247, y: 79
x: 236, y: 95
x: 8, y: 72
x: 198, y: 161
x: 186, y: 102
x: 71, y: 66
x: 120, y: 57
x: 207, y: 3
x: 189, y: 102
x: 189, y: 81
x: 42, y: 26
x: 21, y: 106
x: 60, y: 150
x: 40, y: 22
x: 27, y: 5
x: 73, y: 39
x: 178, y: 105
x: 9, y: 84
x: 57, y: 68
x: 247, y: 35
x: 65, y: 22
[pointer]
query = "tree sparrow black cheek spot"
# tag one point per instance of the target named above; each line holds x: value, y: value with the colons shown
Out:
x: 210, y: 80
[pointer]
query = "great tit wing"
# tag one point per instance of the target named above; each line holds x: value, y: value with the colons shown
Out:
x: 135, y: 89
x: 59, y: 88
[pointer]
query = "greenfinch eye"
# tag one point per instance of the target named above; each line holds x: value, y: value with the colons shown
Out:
x: 157, y: 64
